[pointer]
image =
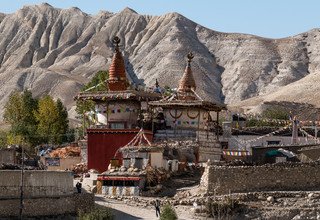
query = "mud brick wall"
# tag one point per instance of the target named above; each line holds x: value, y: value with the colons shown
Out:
x: 210, y: 147
x: 37, y: 183
x: 277, y: 177
x: 7, y: 156
x: 53, y: 206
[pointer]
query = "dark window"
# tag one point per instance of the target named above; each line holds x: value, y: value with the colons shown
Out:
x: 129, y: 183
x: 117, y: 125
x: 107, y: 182
x: 273, y: 142
x: 118, y: 183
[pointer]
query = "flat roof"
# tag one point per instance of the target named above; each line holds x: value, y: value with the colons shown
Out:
x: 284, y: 146
x: 118, y: 95
x: 104, y: 177
x: 109, y: 130
x: 188, y: 103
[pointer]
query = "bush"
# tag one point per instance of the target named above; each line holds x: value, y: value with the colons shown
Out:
x: 102, y: 213
x: 276, y: 113
x: 168, y: 213
x: 224, y: 208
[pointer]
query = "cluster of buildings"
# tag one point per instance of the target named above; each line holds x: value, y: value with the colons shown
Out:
x: 138, y: 130
x: 134, y: 128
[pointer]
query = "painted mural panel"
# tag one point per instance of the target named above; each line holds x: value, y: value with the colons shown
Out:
x: 188, y: 118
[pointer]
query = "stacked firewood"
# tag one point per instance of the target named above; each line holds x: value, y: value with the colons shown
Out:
x: 80, y: 168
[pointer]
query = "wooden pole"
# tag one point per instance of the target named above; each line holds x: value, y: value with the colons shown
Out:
x: 198, y: 135
x: 175, y: 122
x: 84, y: 124
x: 217, y: 130
x: 108, y: 115
x: 22, y: 182
x: 152, y: 122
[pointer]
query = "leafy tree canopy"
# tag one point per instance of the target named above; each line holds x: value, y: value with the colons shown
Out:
x: 276, y: 113
x: 35, y: 121
x: 47, y: 117
x: 97, y: 83
x: 18, y: 111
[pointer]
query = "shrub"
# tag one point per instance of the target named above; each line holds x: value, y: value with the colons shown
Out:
x: 224, y: 208
x: 168, y: 213
x: 276, y: 113
x: 102, y: 213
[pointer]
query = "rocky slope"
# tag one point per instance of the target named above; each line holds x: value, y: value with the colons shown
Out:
x: 55, y: 51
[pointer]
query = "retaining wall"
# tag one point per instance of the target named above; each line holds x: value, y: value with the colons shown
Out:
x: 46, y: 193
x: 52, y: 206
x: 37, y: 183
x: 277, y: 177
x: 7, y: 156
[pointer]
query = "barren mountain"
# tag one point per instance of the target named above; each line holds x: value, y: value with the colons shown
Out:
x: 55, y: 51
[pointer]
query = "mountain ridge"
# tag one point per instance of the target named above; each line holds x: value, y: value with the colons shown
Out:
x: 56, y: 51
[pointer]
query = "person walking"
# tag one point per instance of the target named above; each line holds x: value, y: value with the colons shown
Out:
x: 157, y: 206
x: 79, y: 186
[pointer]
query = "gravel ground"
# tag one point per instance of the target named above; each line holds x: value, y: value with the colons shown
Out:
x: 124, y: 211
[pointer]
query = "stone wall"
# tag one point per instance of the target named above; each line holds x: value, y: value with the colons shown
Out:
x: 170, y: 134
x: 207, y: 142
x: 308, y: 154
x: 277, y: 177
x: 84, y: 150
x: 209, y: 146
x: 51, y: 206
x: 7, y: 156
x: 37, y: 183
x: 64, y: 163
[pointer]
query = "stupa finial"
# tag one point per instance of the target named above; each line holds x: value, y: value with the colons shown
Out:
x: 116, y: 41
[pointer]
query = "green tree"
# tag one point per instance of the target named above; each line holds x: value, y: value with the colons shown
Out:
x: 29, y: 105
x: 18, y: 112
x: 33, y: 121
x: 97, y: 84
x: 62, y: 124
x: 276, y: 113
x: 13, y: 108
x: 3, y: 138
x: 47, y: 117
x: 14, y: 139
x: 168, y: 91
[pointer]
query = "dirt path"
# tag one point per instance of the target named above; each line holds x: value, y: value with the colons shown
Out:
x: 123, y: 211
